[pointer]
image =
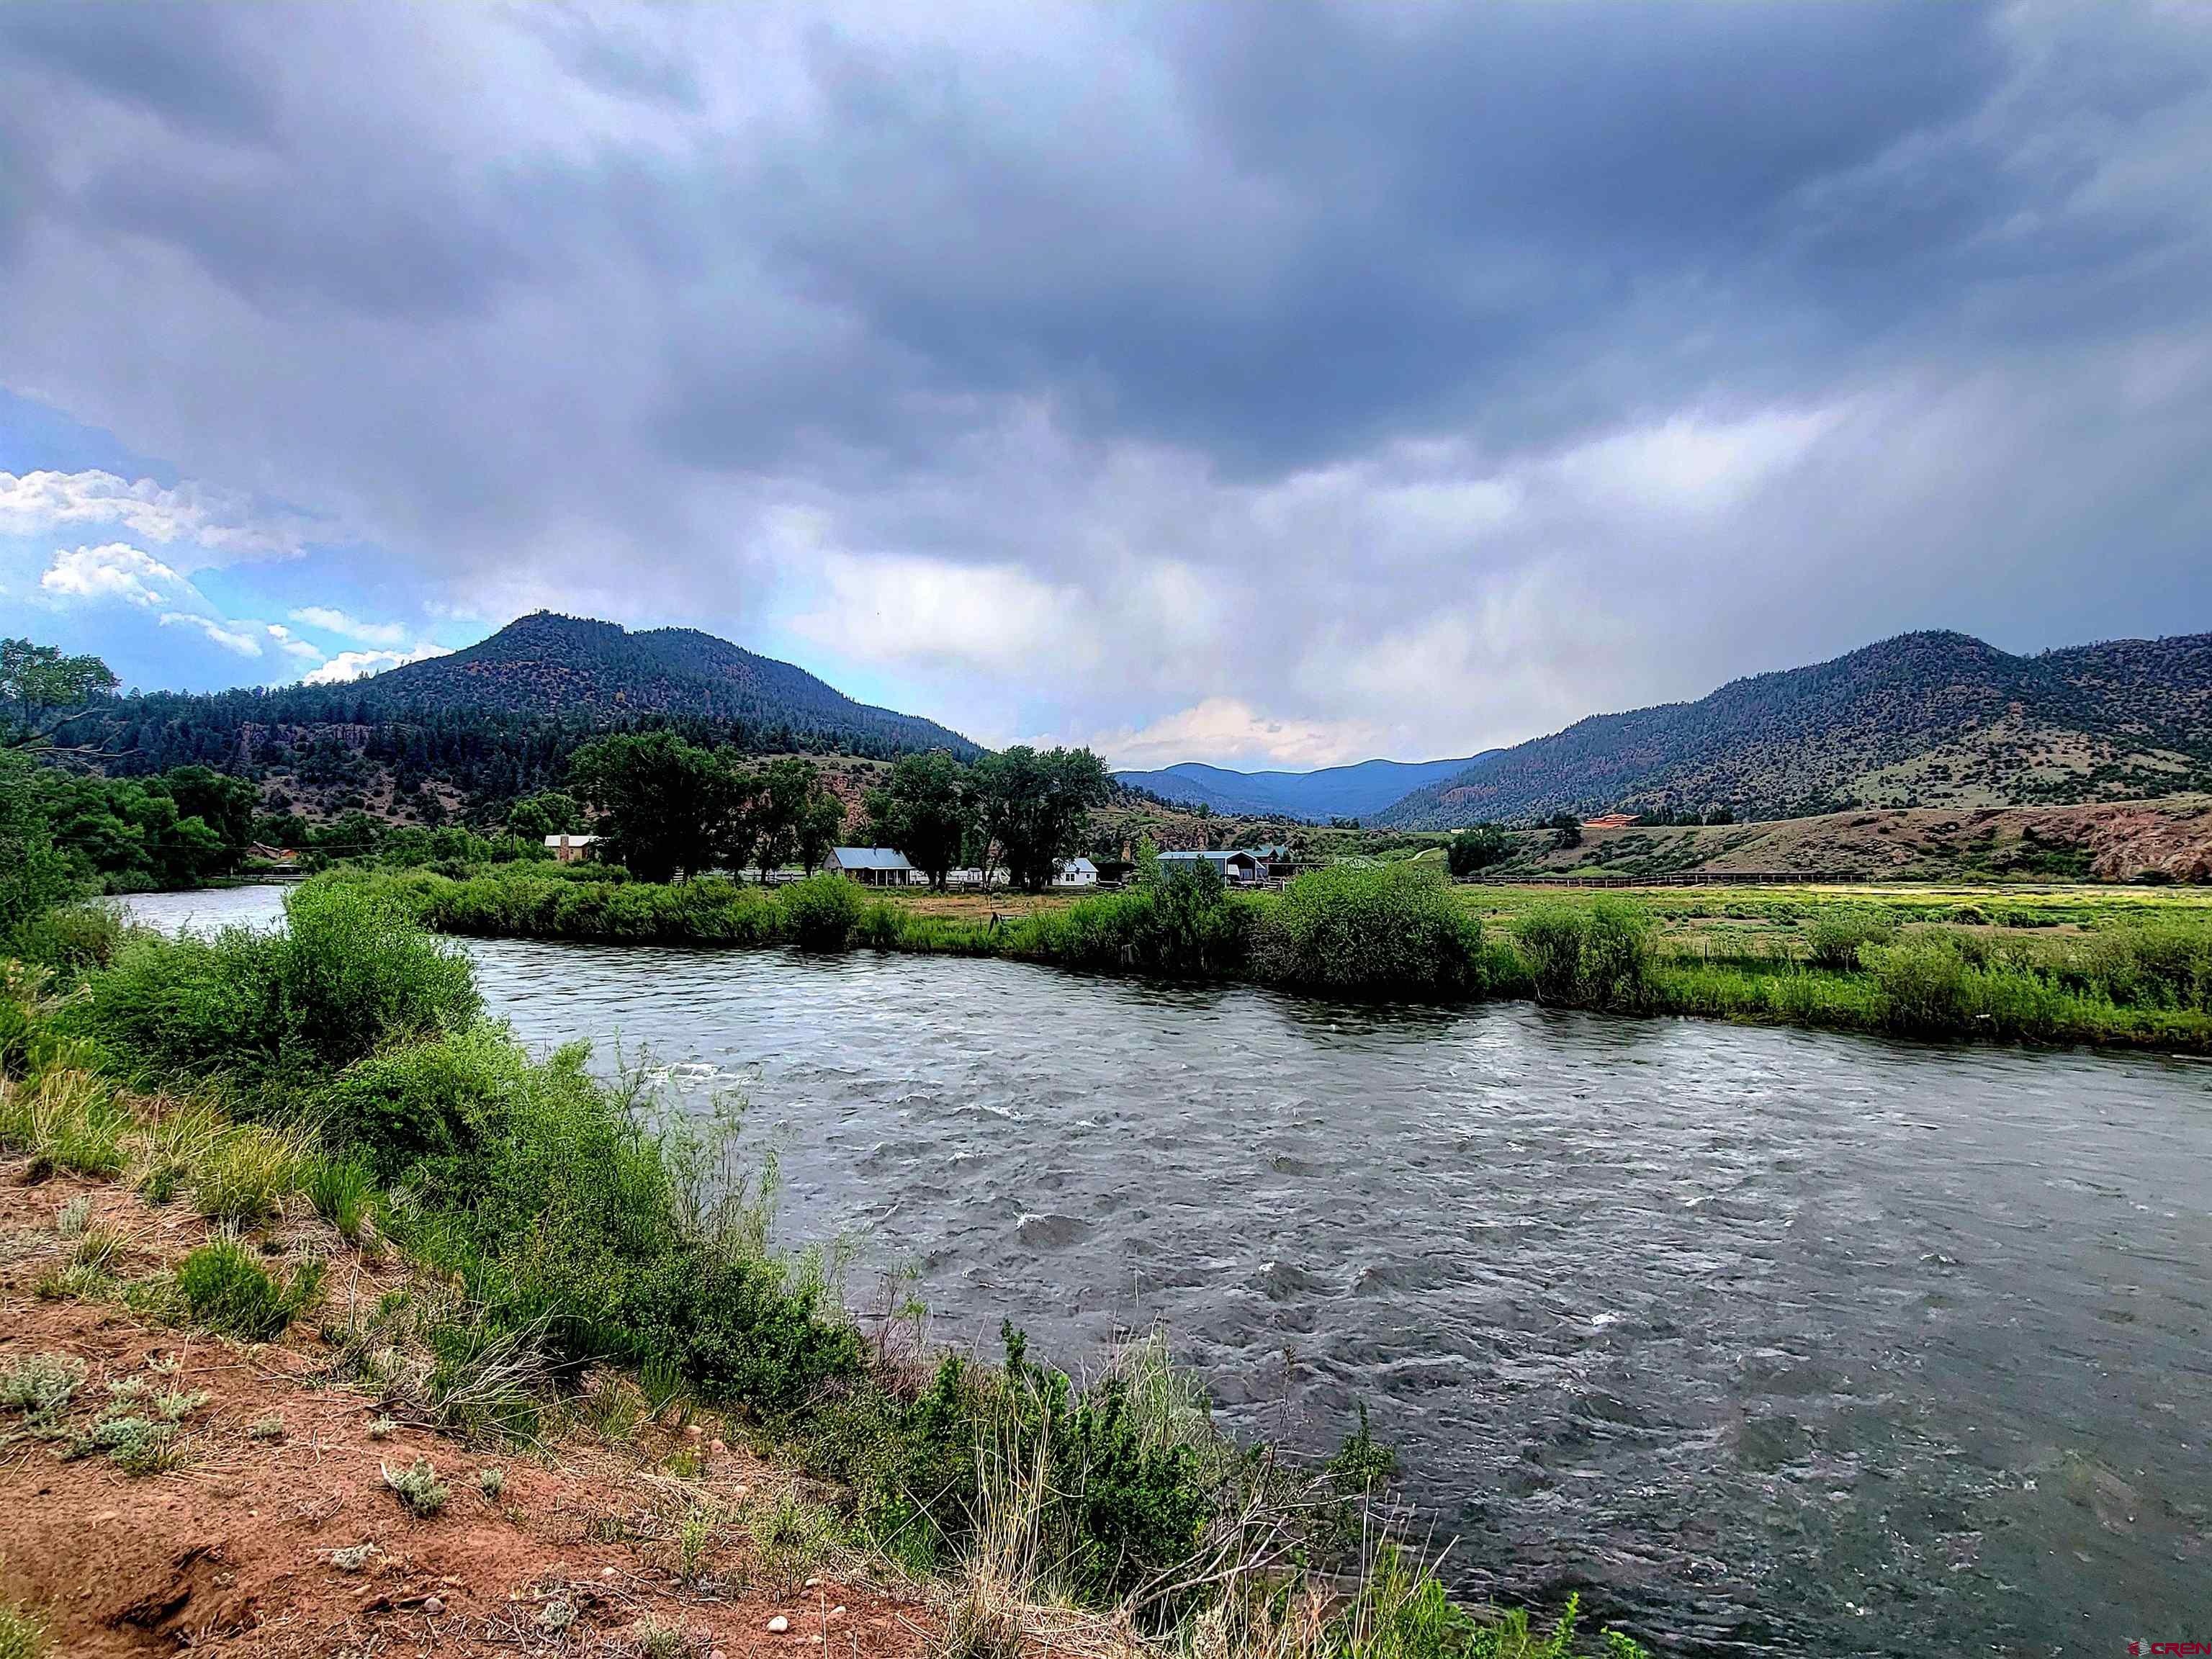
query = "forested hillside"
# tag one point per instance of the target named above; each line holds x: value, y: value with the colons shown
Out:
x: 493, y: 721
x: 1923, y: 720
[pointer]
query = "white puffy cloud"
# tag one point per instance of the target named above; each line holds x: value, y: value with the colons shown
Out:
x: 114, y: 571
x: 210, y: 526
x: 352, y: 665
x: 387, y: 635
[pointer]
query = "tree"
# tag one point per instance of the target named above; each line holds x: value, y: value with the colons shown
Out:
x: 33, y: 876
x: 225, y: 805
x: 551, y: 812
x: 37, y: 681
x: 1569, y: 828
x: 661, y: 800
x: 795, y: 814
x: 927, y: 811
x: 1478, y: 848
x: 1034, y: 806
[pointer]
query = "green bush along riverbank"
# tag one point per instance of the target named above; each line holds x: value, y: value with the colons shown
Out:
x: 2121, y: 973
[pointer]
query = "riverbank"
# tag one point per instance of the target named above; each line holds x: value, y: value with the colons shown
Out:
x: 550, y: 1231
x: 2126, y: 968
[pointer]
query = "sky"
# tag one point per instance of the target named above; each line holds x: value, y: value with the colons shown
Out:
x: 1270, y: 385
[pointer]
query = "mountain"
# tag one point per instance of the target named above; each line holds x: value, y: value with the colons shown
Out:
x: 1923, y: 720
x: 1333, y: 791
x: 545, y: 663
x: 462, y: 732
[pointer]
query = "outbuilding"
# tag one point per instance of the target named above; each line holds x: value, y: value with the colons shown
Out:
x: 1075, y: 873
x: 572, y: 849
x: 1237, y: 869
x: 872, y: 866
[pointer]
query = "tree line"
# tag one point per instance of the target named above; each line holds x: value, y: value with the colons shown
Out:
x: 670, y: 808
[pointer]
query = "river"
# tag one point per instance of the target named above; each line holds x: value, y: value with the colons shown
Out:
x: 1770, y: 1341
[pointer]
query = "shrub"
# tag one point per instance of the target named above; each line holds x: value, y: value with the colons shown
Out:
x: 1594, y: 956
x: 40, y: 1386
x: 1551, y: 939
x: 1183, y: 923
x: 1834, y: 937
x: 1927, y: 986
x: 820, y: 913
x: 1390, y: 929
x: 229, y: 1293
x: 739, y: 1330
x: 426, y: 1103
x: 417, y: 1487
x: 351, y: 974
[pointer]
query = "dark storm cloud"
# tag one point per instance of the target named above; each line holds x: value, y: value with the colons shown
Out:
x: 1565, y: 355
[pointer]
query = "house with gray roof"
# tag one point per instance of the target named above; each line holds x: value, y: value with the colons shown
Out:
x: 872, y: 867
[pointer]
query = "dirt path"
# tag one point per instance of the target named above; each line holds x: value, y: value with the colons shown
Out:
x: 571, y: 1550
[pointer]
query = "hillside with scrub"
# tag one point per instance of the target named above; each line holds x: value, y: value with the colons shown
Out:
x: 1935, y: 719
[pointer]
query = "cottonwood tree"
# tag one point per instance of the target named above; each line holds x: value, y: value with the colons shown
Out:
x: 38, y: 685
x: 1035, y: 804
x: 661, y: 801
x: 927, y: 811
x: 794, y: 815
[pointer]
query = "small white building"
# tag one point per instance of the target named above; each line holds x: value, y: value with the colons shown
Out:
x: 572, y: 849
x: 872, y: 866
x: 1075, y: 873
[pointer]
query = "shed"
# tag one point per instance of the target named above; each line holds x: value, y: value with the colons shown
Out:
x: 1237, y: 868
x: 1075, y: 873
x: 872, y: 866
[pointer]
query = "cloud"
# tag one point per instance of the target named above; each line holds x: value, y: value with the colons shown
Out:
x: 214, y: 525
x: 1232, y: 732
x: 336, y: 622
x: 352, y: 665
x: 1436, y: 374
x: 239, y: 640
x: 293, y: 646
x: 115, y: 571
x: 891, y: 608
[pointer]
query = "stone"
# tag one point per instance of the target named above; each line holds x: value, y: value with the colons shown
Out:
x: 777, y: 1625
x: 434, y: 1605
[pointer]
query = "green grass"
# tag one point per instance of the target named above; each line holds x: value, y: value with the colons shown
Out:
x: 226, y: 1291
x: 22, y: 1634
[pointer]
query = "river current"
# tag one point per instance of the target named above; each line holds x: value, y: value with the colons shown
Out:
x: 1768, y: 1341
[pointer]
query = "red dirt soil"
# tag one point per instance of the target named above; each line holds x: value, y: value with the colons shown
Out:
x: 231, y: 1553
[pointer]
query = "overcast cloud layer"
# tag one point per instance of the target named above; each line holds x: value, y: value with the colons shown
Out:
x: 1266, y: 384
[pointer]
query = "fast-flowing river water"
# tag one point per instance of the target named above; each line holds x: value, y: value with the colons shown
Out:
x: 1771, y: 1342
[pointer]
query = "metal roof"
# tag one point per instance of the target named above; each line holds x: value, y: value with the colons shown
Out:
x: 869, y: 857
x: 571, y: 840
x: 1216, y: 858
x: 1080, y: 864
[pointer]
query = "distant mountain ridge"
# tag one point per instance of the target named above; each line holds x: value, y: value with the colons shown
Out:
x: 1351, y: 791
x: 548, y: 664
x: 1923, y: 720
